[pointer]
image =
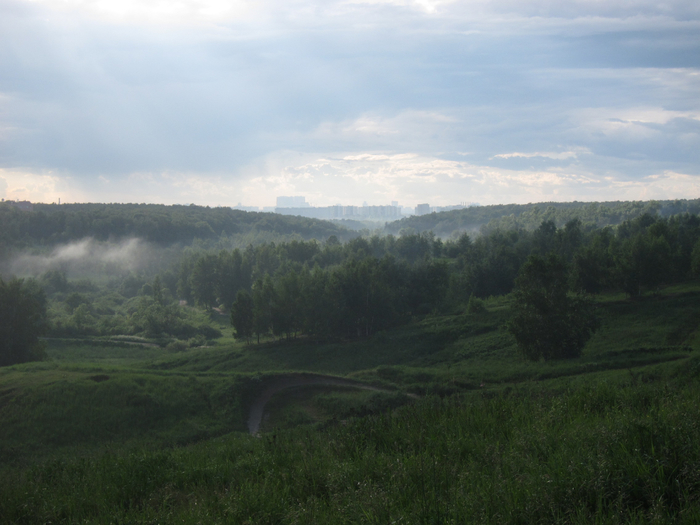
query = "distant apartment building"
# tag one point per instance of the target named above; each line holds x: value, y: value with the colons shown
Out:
x: 292, y: 202
x: 423, y: 209
x: 298, y: 206
x: 344, y: 212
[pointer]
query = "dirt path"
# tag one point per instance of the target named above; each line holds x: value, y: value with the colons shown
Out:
x: 294, y: 380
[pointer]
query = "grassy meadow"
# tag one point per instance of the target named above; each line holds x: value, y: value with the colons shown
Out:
x: 459, y: 428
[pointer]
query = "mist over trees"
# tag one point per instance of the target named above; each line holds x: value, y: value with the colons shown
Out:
x: 335, y: 288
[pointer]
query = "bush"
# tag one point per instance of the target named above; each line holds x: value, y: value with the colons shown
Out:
x: 475, y: 305
x: 176, y: 346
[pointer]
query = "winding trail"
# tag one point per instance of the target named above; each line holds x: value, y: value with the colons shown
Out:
x: 283, y: 382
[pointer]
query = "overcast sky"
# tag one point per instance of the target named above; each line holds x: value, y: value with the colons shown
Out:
x: 219, y: 102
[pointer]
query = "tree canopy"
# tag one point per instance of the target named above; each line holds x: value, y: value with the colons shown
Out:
x: 22, y: 321
x: 549, y: 322
x: 51, y: 224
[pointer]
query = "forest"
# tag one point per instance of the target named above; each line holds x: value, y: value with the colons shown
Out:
x: 530, y: 216
x: 525, y: 353
x: 355, y: 289
x: 50, y: 224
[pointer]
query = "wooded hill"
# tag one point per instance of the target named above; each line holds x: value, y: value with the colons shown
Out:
x: 530, y: 216
x: 354, y: 289
x: 53, y: 224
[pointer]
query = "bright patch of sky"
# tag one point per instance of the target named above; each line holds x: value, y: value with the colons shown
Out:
x: 219, y: 102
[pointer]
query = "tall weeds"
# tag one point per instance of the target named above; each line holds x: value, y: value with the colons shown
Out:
x: 618, y: 451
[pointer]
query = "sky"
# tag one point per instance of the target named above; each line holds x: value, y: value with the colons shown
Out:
x: 223, y: 102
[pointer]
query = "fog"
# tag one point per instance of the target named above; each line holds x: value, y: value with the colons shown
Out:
x: 87, y: 258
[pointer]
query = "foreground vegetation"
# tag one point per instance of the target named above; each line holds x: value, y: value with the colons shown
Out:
x: 111, y: 432
x: 620, y: 449
x: 546, y: 376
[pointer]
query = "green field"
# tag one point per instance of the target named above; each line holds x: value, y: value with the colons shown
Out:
x: 460, y: 428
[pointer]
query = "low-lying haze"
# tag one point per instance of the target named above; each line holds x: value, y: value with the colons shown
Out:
x: 85, y: 258
x: 218, y: 102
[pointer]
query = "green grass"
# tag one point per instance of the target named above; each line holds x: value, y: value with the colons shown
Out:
x: 110, y: 432
x: 610, y: 451
x: 326, y: 405
x: 83, y: 408
x: 105, y: 352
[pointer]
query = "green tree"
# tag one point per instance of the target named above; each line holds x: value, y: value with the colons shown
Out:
x: 232, y: 273
x: 569, y: 239
x: 287, y: 308
x: 157, y: 292
x: 643, y: 261
x: 549, y: 322
x: 202, y: 281
x: 592, y: 265
x: 22, y: 321
x: 695, y: 259
x: 544, y: 237
x: 83, y: 318
x: 316, y: 301
x: 74, y: 300
x: 263, y: 298
x: 242, y: 315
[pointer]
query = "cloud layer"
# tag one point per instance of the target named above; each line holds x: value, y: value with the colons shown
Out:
x: 348, y: 101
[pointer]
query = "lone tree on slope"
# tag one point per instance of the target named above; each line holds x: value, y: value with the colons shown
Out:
x: 549, y: 322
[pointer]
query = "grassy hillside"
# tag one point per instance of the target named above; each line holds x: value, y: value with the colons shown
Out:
x: 107, y: 432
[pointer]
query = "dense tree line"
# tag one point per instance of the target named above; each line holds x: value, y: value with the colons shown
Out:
x: 52, y: 224
x: 354, y: 299
x: 365, y: 285
x: 530, y: 216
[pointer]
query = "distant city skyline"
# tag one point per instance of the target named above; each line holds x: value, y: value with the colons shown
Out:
x: 297, y: 205
x: 412, y: 101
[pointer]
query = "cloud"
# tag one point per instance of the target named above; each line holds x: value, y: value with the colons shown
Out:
x: 226, y: 11
x: 549, y: 155
x: 381, y: 178
x: 213, y: 102
x: 35, y: 186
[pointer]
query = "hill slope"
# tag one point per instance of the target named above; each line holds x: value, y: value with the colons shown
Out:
x: 530, y: 216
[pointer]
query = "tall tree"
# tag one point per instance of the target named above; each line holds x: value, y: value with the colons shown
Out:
x: 644, y: 261
x: 242, y: 315
x: 263, y: 298
x: 549, y: 323
x: 22, y: 321
x: 202, y: 281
